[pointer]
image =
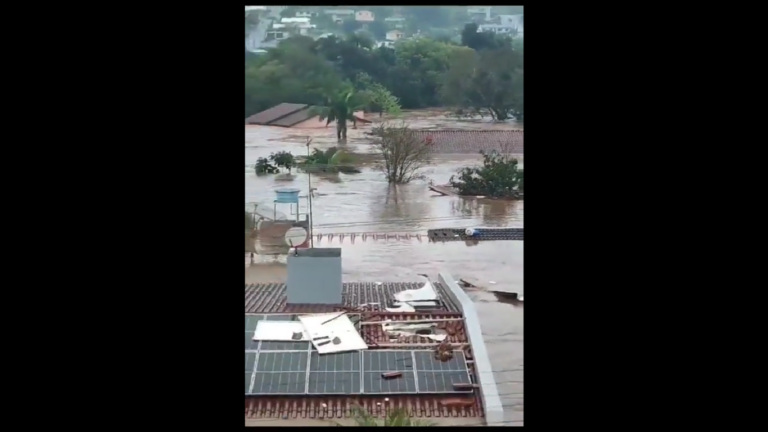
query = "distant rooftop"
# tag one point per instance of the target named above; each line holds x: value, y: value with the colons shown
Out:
x: 279, y: 113
x: 472, y: 141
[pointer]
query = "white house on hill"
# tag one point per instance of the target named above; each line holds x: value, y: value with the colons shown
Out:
x: 395, y: 35
x: 364, y: 16
x: 295, y: 20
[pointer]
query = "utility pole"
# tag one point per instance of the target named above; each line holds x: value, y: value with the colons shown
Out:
x: 309, y: 181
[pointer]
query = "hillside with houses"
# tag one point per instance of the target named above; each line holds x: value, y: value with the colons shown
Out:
x: 266, y: 26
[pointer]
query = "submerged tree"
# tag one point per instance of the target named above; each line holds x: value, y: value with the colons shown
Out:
x: 404, y: 153
x: 341, y: 107
x: 264, y: 167
x: 498, y: 177
x: 283, y: 159
x: 332, y: 160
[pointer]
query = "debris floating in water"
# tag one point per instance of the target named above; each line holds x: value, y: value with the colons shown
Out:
x: 491, y: 282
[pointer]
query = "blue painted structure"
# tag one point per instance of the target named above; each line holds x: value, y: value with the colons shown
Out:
x: 287, y: 196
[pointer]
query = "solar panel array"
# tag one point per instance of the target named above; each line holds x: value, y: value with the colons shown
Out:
x: 294, y: 368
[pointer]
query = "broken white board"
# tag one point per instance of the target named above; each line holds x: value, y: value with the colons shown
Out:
x: 401, y: 329
x: 279, y: 331
x: 425, y: 293
x: 322, y: 328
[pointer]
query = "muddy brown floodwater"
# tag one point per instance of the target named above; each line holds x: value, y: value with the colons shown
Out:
x: 366, y: 203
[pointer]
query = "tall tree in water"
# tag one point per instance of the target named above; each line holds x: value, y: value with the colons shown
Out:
x: 340, y: 107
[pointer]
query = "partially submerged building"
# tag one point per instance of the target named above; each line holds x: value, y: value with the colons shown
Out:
x: 293, y: 116
x: 316, y: 348
x: 464, y: 141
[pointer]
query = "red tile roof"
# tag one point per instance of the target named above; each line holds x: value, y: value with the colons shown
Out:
x: 424, y: 406
x: 472, y: 141
x: 272, y: 298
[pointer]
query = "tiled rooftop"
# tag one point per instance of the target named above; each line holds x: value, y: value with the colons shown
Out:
x: 271, y: 298
x: 425, y: 406
x: 276, y: 112
x: 472, y: 141
x: 442, y: 409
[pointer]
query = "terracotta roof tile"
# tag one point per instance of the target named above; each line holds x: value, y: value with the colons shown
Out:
x: 271, y: 298
x: 472, y: 141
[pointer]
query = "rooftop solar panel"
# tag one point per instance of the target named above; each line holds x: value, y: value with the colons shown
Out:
x: 426, y: 361
x: 250, y: 344
x: 334, y: 383
x: 284, y: 346
x: 282, y: 362
x: 294, y: 368
x: 373, y: 383
x: 250, y: 361
x: 279, y: 382
x: 341, y: 362
x: 387, y: 361
x: 442, y: 382
x: 248, y: 377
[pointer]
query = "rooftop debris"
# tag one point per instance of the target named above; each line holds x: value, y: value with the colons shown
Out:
x: 332, y: 332
x: 280, y: 331
x: 407, y: 329
x: 444, y: 352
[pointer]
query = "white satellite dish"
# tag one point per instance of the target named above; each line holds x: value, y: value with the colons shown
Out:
x: 296, y: 236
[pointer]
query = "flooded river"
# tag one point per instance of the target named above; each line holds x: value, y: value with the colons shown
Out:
x: 365, y: 203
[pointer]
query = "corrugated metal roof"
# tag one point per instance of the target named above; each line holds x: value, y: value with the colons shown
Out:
x: 276, y: 112
x: 292, y: 119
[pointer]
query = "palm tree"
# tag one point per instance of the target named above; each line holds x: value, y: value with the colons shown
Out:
x: 396, y: 417
x: 340, y: 107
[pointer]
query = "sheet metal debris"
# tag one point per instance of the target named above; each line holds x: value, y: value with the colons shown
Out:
x: 332, y: 332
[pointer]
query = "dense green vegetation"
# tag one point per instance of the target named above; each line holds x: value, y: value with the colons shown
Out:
x: 481, y: 75
x: 498, y: 177
x: 283, y: 159
x: 331, y: 160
